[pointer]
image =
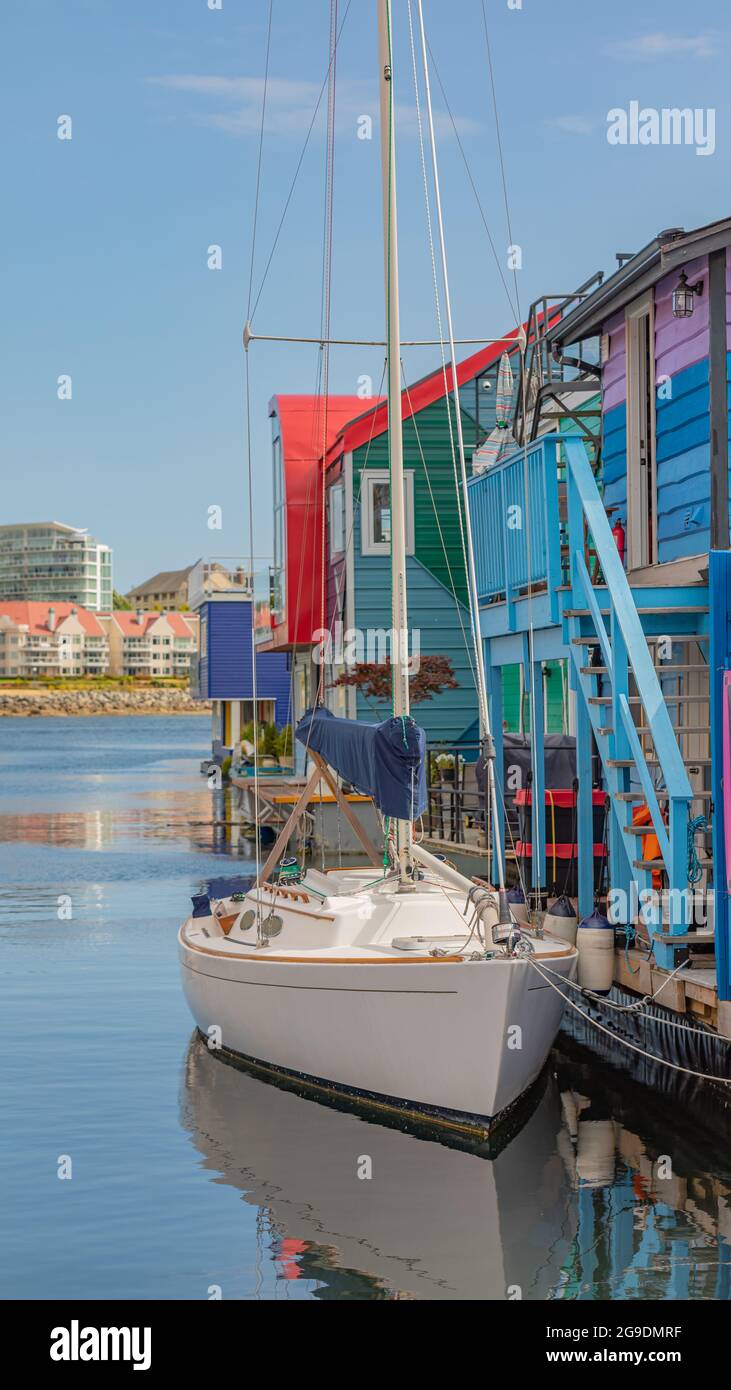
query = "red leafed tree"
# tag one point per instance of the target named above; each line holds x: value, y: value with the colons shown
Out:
x: 373, y: 678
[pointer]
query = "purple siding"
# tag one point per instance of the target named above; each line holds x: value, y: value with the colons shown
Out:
x: 614, y: 384
x: 680, y: 342
x: 682, y: 441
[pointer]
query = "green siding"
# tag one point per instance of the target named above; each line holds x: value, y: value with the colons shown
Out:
x: 430, y: 429
x: 554, y: 699
x: 432, y: 606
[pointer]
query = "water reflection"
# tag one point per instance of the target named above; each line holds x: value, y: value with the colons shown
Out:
x: 427, y: 1223
x: 197, y: 820
x: 653, y: 1190
x: 582, y: 1203
x: 610, y: 1190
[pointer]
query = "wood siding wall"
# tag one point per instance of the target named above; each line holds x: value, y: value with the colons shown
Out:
x: 683, y: 421
x: 437, y: 584
x: 226, y: 660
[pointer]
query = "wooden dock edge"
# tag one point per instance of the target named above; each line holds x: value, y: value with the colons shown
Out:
x: 681, y: 995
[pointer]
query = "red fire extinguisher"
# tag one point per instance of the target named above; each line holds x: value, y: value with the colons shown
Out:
x: 619, y: 538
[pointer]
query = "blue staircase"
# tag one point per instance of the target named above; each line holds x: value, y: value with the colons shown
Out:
x: 639, y: 664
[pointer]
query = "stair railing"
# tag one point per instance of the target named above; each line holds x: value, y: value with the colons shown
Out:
x: 622, y: 647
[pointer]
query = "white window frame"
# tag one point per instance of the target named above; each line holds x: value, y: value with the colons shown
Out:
x: 639, y: 555
x: 337, y: 518
x: 369, y: 477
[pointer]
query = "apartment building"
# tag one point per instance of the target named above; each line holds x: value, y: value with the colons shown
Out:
x: 186, y: 588
x: 54, y: 563
x: 151, y: 644
x: 44, y: 639
x: 168, y: 589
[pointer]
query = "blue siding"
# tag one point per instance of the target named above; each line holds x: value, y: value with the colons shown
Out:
x: 614, y: 460
x: 226, y: 660
x: 720, y: 660
x: 728, y: 398
x: 683, y: 465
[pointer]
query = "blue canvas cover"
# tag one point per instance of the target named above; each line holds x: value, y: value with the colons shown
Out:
x: 385, y: 761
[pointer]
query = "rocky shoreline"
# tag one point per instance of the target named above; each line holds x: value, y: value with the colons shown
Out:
x: 27, y: 702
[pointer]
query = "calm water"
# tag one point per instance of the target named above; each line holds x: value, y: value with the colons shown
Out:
x: 189, y: 1176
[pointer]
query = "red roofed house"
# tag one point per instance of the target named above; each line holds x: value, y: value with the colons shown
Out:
x: 51, y: 639
x: 151, y: 644
x: 288, y: 597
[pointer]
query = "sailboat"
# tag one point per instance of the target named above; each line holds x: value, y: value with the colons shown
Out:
x: 404, y: 984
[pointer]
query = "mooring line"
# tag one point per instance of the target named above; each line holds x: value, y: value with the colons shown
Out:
x: 662, y: 1061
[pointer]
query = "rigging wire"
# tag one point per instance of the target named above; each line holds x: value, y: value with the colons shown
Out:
x: 500, y: 149
x: 538, y: 812
x: 458, y: 420
x: 249, y: 465
x: 510, y: 338
x: 440, y: 330
x: 327, y: 260
x: 251, y: 310
x: 298, y: 168
x: 470, y: 561
x: 259, y: 160
x: 473, y: 185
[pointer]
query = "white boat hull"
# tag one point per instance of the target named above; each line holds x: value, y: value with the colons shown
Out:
x: 457, y: 1038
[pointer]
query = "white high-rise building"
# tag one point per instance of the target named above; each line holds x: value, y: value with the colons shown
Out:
x: 54, y: 563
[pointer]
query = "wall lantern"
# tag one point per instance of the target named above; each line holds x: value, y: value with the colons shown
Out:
x: 683, y: 297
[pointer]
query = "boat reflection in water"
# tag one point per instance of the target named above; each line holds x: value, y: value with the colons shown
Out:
x: 430, y: 1220
x: 575, y: 1205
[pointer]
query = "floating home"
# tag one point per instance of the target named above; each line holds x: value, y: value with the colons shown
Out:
x: 358, y: 517
x: 614, y: 556
x: 223, y: 673
x: 359, y: 533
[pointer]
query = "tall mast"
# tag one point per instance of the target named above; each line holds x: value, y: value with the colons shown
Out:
x: 399, y: 610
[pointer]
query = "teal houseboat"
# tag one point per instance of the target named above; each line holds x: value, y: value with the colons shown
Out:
x: 357, y: 573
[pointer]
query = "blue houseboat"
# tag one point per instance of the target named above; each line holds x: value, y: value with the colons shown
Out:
x: 612, y: 553
x: 221, y: 593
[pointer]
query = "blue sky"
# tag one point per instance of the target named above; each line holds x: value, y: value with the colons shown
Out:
x: 106, y: 235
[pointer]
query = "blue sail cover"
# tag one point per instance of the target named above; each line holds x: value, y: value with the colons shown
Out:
x: 384, y: 761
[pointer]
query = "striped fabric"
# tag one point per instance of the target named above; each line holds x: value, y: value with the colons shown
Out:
x: 500, y: 442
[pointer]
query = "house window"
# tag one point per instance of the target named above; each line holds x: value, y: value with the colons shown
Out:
x: 337, y: 519
x: 376, y: 512
x: 280, y: 502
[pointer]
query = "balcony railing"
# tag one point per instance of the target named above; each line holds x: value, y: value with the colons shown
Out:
x: 514, y: 509
x: 225, y: 576
x: 269, y: 608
